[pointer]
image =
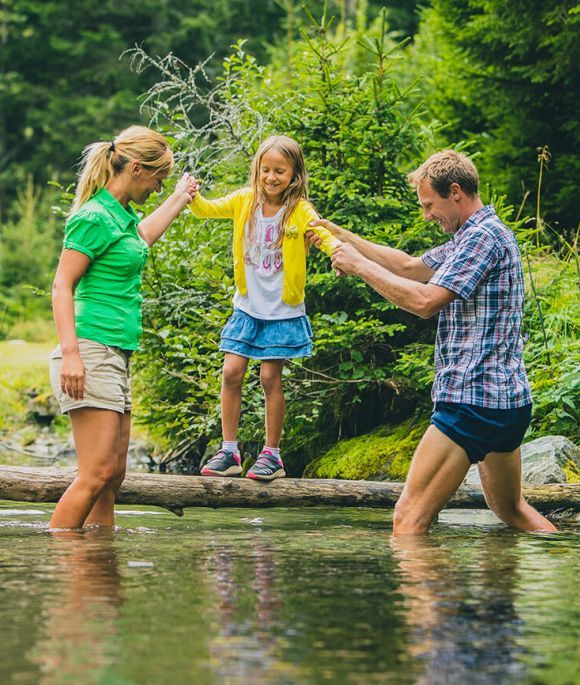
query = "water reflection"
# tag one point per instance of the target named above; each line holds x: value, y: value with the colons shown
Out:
x: 459, y: 602
x: 246, y: 645
x: 291, y: 597
x: 78, y: 632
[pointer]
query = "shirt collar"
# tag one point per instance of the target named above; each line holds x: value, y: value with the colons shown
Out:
x: 123, y: 217
x: 484, y: 212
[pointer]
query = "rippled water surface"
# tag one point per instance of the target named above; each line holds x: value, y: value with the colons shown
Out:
x: 285, y: 596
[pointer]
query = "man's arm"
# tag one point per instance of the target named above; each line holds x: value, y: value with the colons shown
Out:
x: 422, y: 299
x: 396, y: 261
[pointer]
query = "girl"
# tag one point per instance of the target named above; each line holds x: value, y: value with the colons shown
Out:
x: 97, y: 309
x: 269, y: 322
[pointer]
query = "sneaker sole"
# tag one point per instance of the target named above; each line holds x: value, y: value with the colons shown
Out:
x: 232, y: 471
x: 278, y: 474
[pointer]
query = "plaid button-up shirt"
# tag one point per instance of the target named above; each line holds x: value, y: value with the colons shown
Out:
x: 478, y: 351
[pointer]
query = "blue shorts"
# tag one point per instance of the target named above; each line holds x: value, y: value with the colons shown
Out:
x: 266, y: 339
x: 480, y: 430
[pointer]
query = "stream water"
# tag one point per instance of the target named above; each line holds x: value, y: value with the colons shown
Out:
x: 285, y: 596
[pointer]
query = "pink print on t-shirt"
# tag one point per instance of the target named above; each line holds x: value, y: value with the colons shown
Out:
x: 259, y: 248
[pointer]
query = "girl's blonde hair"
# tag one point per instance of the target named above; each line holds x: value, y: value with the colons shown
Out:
x: 102, y: 160
x: 296, y: 191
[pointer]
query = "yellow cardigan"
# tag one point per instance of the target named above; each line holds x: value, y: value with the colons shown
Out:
x: 237, y: 206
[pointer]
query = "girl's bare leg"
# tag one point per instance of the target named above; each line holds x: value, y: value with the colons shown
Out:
x: 234, y: 372
x: 271, y: 380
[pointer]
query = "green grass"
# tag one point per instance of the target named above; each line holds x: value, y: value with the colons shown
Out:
x: 23, y: 366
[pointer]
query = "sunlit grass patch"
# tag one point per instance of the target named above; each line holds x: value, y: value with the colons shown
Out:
x: 23, y: 366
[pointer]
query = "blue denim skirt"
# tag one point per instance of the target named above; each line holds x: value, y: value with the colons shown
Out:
x: 259, y: 339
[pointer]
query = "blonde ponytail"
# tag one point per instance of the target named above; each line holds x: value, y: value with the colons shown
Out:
x: 95, y: 171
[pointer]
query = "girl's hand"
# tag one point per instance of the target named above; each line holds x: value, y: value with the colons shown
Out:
x: 72, y: 376
x: 186, y: 189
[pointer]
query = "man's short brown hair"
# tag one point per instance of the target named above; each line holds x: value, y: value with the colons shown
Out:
x: 444, y: 168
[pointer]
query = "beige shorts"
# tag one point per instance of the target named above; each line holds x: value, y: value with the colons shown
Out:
x: 107, y: 378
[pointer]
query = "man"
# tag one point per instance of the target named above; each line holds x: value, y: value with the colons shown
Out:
x: 481, y: 393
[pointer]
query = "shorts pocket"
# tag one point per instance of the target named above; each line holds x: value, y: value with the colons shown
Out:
x: 94, y: 354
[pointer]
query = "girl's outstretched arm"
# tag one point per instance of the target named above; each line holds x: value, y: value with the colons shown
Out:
x: 325, y: 240
x: 220, y: 208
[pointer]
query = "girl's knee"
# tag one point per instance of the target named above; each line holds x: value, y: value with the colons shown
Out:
x: 270, y: 379
x: 233, y: 375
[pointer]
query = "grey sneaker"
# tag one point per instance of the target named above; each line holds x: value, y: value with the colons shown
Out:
x: 267, y: 467
x: 223, y: 463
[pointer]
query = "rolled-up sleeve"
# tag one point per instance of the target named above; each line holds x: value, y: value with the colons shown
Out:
x: 466, y: 266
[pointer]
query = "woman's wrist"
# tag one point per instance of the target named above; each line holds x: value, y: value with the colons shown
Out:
x: 70, y: 350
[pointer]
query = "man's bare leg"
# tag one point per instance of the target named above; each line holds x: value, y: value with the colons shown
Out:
x: 501, y: 480
x: 438, y: 468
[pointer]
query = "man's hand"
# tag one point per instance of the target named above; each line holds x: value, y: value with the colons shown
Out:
x: 347, y: 260
x: 315, y: 240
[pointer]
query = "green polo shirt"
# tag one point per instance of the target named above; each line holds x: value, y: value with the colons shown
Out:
x: 107, y: 298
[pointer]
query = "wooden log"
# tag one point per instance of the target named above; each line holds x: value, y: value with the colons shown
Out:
x: 26, y: 484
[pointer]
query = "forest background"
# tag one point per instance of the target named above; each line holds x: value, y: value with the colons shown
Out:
x: 369, y: 89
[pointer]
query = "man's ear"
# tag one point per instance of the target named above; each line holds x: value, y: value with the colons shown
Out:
x: 455, y: 191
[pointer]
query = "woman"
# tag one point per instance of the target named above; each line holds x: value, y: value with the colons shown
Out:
x: 97, y: 309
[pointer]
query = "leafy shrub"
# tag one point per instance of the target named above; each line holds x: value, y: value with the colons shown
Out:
x: 357, y: 140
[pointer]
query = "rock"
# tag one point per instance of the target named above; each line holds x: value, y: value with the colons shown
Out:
x: 42, y: 408
x: 140, y: 456
x: 551, y: 459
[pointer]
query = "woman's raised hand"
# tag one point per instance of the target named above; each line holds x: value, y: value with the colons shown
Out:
x: 187, y: 188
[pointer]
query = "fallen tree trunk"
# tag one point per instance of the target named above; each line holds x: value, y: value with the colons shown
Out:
x: 175, y: 493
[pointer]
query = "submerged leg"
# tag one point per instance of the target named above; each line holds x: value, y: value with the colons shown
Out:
x: 501, y: 480
x: 438, y: 468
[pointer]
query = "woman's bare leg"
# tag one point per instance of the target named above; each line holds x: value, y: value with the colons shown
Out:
x: 103, y: 511
x: 96, y: 434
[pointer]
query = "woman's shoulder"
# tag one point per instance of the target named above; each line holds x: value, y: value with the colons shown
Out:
x: 91, y: 212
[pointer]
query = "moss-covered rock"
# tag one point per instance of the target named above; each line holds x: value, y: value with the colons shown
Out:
x: 383, y: 454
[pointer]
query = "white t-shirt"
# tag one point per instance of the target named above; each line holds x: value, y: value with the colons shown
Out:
x: 265, y: 271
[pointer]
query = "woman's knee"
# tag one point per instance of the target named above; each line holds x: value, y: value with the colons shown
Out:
x: 98, y: 479
x: 117, y: 480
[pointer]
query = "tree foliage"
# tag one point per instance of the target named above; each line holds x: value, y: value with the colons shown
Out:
x: 357, y: 138
x: 506, y: 76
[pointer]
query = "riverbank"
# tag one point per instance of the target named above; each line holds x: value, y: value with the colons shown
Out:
x: 23, y: 374
x: 32, y: 432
